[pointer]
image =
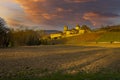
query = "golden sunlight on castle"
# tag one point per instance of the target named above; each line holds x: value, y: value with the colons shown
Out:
x: 68, y: 32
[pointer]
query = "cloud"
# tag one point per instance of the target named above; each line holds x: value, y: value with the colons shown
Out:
x: 46, y: 12
x: 98, y: 19
x: 57, y: 13
x: 79, y: 1
x: 11, y: 12
x: 35, y: 9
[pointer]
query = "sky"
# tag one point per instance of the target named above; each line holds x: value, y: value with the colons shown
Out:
x: 54, y: 14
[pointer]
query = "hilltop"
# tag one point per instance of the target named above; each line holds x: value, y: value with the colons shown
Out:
x: 108, y: 34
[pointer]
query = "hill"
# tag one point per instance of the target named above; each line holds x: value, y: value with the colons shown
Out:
x: 110, y: 37
x: 87, y: 37
x: 104, y: 34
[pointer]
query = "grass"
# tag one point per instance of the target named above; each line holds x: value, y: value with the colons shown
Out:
x: 88, y: 37
x: 110, y: 36
x: 61, y: 76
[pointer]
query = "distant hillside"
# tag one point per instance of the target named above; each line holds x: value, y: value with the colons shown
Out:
x: 114, y: 28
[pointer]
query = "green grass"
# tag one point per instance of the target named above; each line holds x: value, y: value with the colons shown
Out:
x: 88, y: 37
x: 61, y: 76
x: 110, y: 36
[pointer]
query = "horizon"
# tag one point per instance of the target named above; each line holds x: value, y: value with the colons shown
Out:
x: 54, y: 14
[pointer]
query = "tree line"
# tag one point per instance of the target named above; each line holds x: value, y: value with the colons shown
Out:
x: 9, y: 38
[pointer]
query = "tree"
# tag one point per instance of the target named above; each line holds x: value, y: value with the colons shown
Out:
x: 4, y: 34
x: 26, y: 37
x: 85, y: 27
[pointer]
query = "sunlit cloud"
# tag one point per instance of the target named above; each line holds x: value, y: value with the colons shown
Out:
x: 54, y: 14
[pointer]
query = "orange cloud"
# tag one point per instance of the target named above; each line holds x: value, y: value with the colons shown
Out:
x: 35, y: 9
x: 48, y: 16
x: 58, y: 13
x: 92, y: 17
x: 38, y: 0
x: 41, y: 11
x: 59, y: 9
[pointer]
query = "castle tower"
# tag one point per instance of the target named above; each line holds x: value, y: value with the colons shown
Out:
x: 77, y: 27
x: 65, y: 28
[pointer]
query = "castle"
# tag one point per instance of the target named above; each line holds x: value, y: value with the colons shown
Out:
x: 68, y: 32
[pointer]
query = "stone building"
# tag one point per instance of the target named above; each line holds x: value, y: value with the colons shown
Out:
x: 68, y: 32
x: 56, y: 36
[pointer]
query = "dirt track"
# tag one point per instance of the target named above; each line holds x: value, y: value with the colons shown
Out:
x: 51, y: 58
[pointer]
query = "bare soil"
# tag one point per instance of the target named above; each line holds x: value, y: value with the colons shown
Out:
x: 70, y: 59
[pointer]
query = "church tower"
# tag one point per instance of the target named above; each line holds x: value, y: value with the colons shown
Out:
x: 77, y: 27
x: 65, y: 28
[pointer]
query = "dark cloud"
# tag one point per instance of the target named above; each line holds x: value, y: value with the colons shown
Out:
x: 61, y: 12
x: 98, y: 18
x: 78, y: 1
